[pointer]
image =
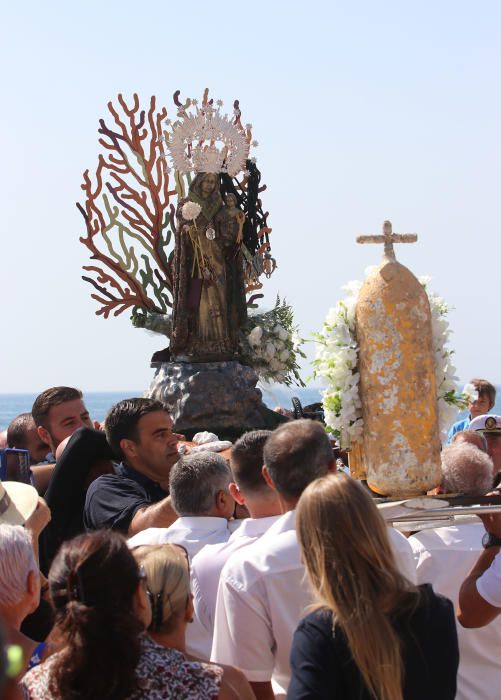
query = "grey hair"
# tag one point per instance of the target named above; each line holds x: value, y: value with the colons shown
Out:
x: 195, y: 481
x: 17, y: 559
x: 296, y: 454
x: 474, y: 437
x: 466, y: 469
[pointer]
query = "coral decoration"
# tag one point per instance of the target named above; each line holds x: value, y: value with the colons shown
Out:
x: 128, y: 210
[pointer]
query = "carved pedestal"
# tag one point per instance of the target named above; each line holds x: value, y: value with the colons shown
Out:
x: 217, y: 396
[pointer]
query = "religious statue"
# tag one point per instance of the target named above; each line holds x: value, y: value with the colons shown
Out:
x: 209, y: 305
x: 400, y: 449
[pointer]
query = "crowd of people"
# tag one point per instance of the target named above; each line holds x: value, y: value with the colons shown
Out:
x: 133, y: 565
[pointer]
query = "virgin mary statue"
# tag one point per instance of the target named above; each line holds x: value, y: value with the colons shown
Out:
x: 209, y: 297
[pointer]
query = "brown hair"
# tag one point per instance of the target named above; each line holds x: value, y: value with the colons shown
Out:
x: 485, y: 388
x: 92, y: 584
x: 350, y: 563
x: 54, y: 396
x: 168, y: 581
x: 295, y: 454
x: 18, y: 429
x: 246, y: 460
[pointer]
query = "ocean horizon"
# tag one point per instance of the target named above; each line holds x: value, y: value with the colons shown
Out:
x: 100, y: 402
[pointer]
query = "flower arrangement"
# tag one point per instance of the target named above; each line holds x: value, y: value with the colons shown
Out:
x: 270, y: 345
x: 337, y: 359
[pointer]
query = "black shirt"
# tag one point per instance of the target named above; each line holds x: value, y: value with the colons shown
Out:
x: 113, y: 499
x: 322, y: 666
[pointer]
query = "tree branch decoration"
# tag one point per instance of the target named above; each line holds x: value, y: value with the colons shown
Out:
x: 128, y: 209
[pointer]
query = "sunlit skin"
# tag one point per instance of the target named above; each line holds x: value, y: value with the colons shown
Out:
x: 154, y: 451
x: 494, y: 449
x: 63, y: 420
x: 480, y: 406
x: 36, y: 446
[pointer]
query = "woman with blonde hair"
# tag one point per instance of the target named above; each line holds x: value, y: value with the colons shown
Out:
x: 373, y: 635
x: 167, y: 576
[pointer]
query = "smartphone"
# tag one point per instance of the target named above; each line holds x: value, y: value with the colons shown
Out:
x: 15, y: 465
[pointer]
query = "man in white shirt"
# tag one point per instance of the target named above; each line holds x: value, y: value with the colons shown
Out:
x: 263, y: 591
x: 199, y: 490
x: 443, y: 558
x: 248, y: 489
x: 480, y: 593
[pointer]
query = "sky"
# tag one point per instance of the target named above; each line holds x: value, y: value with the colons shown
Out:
x: 363, y: 111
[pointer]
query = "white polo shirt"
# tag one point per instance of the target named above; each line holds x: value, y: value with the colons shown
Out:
x: 489, y: 584
x: 192, y: 532
x: 208, y: 564
x: 263, y: 593
x: 444, y: 557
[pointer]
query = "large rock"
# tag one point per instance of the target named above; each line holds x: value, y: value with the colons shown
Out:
x: 217, y: 396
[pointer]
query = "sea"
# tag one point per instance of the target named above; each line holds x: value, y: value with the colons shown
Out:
x: 99, y: 402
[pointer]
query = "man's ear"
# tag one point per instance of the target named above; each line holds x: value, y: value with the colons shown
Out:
x: 225, y: 504
x: 33, y: 582
x: 237, y: 496
x: 267, y: 477
x: 128, y: 447
x: 44, y: 435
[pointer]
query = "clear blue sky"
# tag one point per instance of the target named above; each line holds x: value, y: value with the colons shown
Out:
x: 363, y: 111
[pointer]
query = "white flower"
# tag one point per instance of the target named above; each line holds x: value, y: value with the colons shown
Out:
x: 270, y: 349
x: 470, y: 393
x: 284, y: 355
x: 280, y: 332
x: 190, y: 210
x: 255, y: 336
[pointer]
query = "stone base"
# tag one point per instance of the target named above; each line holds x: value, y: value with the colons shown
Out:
x: 217, y: 396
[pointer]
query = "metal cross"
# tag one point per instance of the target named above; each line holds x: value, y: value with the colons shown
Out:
x: 388, y: 238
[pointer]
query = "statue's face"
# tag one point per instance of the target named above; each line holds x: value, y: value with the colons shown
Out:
x: 231, y: 201
x: 208, y: 185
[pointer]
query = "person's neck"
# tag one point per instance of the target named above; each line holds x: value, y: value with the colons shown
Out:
x: 263, y: 507
x: 142, y: 469
x: 287, y: 504
x: 13, y: 615
x: 172, y: 640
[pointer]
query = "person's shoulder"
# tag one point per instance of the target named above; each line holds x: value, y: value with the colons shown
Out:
x: 182, y: 673
x: 35, y: 682
x: 434, y: 604
x: 318, y: 620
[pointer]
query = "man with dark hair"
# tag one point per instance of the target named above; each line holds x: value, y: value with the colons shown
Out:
x: 22, y: 433
x: 482, y: 405
x: 57, y: 413
x: 250, y: 489
x: 137, y: 495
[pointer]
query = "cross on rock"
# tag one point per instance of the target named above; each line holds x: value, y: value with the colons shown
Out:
x: 388, y: 238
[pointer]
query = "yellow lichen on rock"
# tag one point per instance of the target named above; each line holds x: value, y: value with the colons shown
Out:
x: 401, y: 444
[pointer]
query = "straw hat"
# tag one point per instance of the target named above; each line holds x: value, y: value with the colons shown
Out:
x: 17, y: 502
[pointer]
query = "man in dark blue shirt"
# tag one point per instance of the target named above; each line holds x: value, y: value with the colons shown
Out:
x: 136, y: 496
